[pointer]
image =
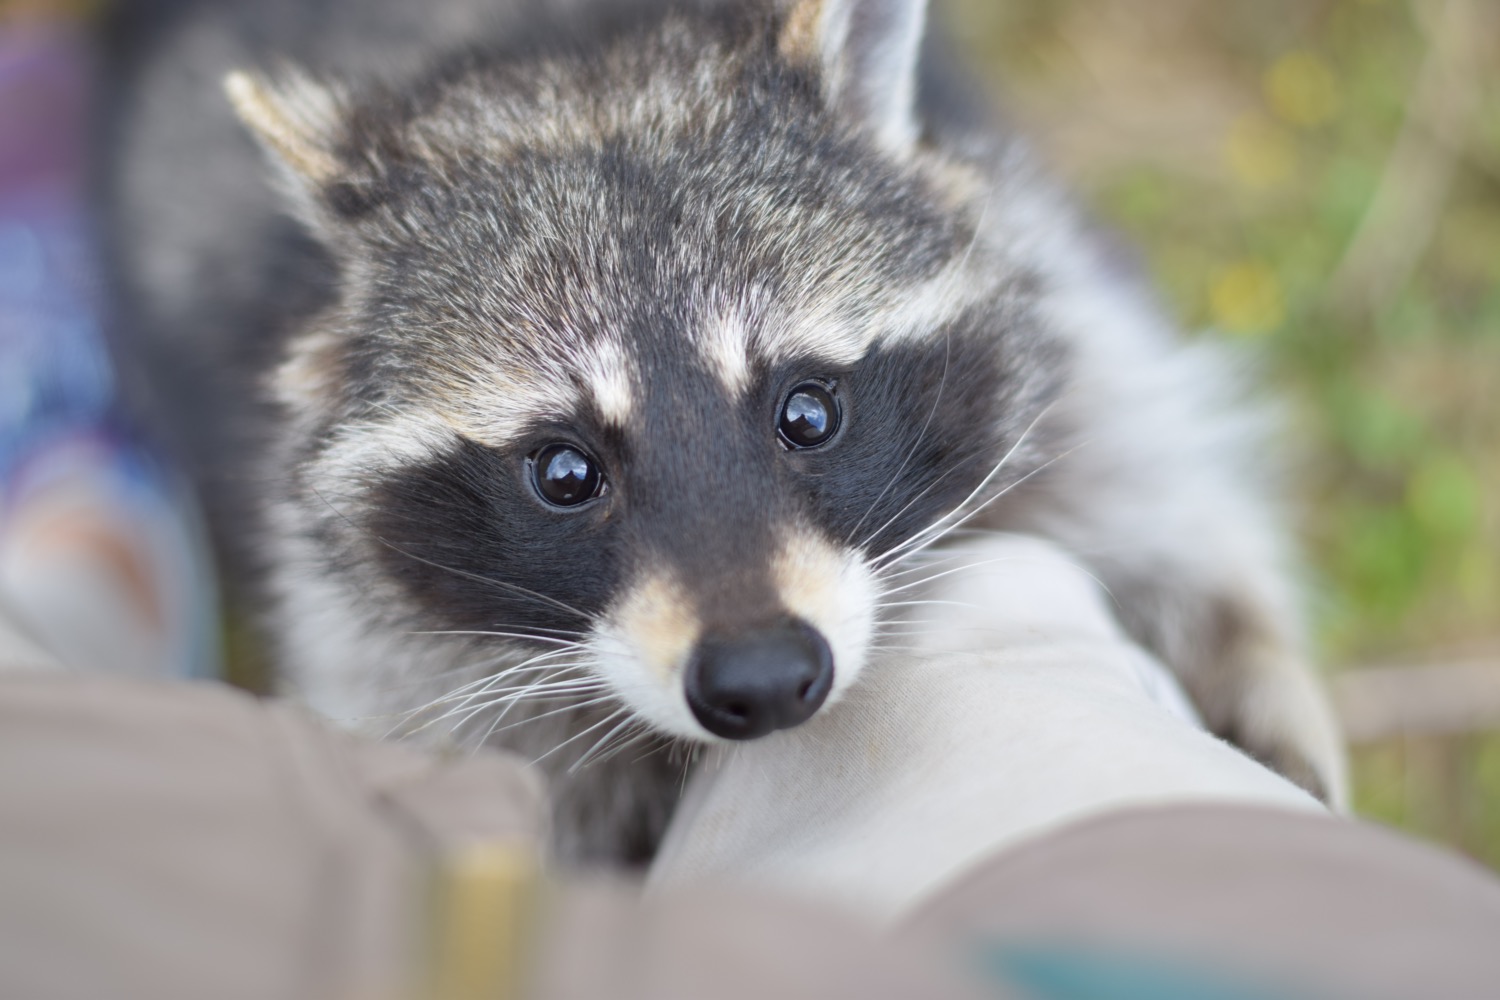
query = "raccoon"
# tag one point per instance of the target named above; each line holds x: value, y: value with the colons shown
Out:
x: 627, y: 367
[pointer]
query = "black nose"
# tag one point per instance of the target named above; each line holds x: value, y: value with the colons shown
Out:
x: 772, y: 678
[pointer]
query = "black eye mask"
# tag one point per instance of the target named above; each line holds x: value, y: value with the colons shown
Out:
x: 477, y: 545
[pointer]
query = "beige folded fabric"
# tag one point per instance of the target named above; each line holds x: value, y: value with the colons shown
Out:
x: 1024, y: 708
x: 1242, y: 902
x: 186, y: 842
x: 165, y: 841
x: 1029, y: 788
x: 1045, y: 815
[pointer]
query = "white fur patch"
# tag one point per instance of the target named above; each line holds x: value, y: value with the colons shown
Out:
x: 608, y: 374
x: 641, y: 648
x: 825, y: 331
x: 360, y: 449
x: 725, y: 343
x: 840, y: 325
x: 497, y: 408
x: 921, y: 311
x: 835, y: 592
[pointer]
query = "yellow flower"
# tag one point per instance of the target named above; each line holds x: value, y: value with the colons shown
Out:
x: 1302, y: 89
x: 1246, y: 298
x: 1261, y: 153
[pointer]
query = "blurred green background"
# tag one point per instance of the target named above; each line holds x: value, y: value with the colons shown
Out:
x: 1321, y: 180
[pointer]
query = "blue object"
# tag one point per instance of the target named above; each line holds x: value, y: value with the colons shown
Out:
x: 66, y: 438
x: 1062, y: 972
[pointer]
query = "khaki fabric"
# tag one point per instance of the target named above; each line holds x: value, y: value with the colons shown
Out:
x: 1047, y: 790
x: 1340, y: 909
x: 184, y: 841
x: 1023, y: 709
x: 163, y: 841
x: 717, y: 943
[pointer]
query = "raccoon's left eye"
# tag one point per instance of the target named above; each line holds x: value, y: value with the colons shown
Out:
x: 565, y: 476
x: 810, y: 415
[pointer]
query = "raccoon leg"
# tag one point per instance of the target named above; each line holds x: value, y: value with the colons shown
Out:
x: 1199, y: 584
x: 1244, y: 672
x: 1214, y: 604
x: 1220, y: 621
x: 1158, y: 484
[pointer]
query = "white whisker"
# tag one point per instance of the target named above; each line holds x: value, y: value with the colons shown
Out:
x: 571, y: 707
x: 582, y: 733
x: 625, y: 723
x: 921, y: 436
x: 571, y: 643
x: 937, y: 526
x: 895, y: 556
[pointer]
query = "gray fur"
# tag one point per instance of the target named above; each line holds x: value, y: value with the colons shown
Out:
x: 488, y: 243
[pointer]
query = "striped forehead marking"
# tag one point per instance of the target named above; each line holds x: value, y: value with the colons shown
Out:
x: 725, y: 343
x: 494, y: 403
x: 839, y: 328
x: 609, y: 376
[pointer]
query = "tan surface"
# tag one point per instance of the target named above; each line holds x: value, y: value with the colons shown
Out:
x: 157, y: 839
x: 1338, y: 906
x: 182, y: 842
x: 1023, y: 708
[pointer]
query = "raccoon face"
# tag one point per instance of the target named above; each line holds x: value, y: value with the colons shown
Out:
x: 668, y: 355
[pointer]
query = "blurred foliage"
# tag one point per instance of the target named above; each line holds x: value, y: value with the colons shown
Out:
x: 1319, y: 179
x: 37, y: 9
x: 1446, y: 789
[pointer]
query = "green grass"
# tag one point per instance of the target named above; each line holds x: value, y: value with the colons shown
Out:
x: 1320, y: 181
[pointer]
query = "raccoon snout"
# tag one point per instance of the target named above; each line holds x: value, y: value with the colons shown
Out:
x: 753, y: 683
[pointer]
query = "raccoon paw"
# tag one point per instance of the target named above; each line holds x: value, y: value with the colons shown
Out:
x: 1281, y: 717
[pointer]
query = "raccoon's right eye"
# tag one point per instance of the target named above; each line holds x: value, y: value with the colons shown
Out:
x: 564, y: 476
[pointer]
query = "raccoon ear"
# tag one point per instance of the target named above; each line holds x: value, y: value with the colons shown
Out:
x: 868, y: 52
x: 298, y: 122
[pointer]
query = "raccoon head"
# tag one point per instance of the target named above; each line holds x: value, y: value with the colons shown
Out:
x: 667, y: 344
